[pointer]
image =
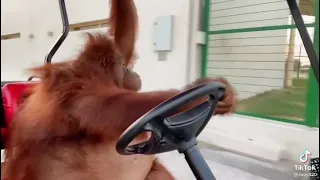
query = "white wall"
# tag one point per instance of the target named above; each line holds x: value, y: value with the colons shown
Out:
x: 247, y: 13
x: 172, y: 72
x: 40, y: 16
x: 253, y: 61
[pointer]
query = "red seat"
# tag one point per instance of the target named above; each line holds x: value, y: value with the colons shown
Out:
x: 11, y: 94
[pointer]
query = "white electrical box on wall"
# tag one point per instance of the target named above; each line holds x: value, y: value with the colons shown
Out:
x: 163, y: 27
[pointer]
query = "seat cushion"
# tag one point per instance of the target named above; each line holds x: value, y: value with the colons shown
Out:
x: 11, y: 94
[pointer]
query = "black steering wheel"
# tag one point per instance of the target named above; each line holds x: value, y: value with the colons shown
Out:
x: 177, y: 132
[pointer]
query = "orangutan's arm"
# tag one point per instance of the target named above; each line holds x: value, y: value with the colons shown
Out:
x: 113, y: 112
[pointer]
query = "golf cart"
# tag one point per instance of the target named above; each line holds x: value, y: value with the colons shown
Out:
x: 168, y: 133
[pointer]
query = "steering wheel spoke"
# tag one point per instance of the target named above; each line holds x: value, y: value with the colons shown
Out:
x: 189, y: 124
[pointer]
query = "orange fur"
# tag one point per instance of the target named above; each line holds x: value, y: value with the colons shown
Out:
x: 124, y: 26
x: 68, y: 124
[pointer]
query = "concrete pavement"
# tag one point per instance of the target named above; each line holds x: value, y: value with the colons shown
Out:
x: 228, y: 166
x: 179, y: 167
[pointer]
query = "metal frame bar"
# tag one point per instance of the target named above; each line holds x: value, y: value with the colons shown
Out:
x: 65, y: 31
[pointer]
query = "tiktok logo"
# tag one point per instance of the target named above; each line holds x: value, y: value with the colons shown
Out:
x: 305, y: 156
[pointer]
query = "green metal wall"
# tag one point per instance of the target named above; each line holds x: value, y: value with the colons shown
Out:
x: 249, y: 43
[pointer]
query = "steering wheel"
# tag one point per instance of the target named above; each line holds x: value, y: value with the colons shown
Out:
x: 177, y: 132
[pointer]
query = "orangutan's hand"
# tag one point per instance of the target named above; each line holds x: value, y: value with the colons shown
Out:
x: 227, y: 105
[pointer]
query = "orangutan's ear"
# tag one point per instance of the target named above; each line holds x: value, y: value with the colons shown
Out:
x: 132, y: 80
